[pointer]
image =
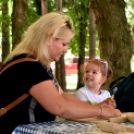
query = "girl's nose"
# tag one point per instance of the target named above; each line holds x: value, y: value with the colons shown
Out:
x: 89, y: 73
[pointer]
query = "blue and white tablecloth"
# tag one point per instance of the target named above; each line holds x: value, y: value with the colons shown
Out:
x: 55, y: 127
x: 59, y: 127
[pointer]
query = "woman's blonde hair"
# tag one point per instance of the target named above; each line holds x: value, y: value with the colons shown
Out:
x: 48, y: 27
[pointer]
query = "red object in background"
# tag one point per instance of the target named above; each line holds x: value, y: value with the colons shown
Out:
x: 71, y: 65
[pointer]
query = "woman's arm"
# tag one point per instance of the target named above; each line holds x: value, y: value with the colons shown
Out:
x: 48, y: 96
x: 67, y: 95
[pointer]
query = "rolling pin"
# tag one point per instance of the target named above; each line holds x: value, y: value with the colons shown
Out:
x: 129, y: 129
x: 113, y: 127
x: 110, y: 127
x: 118, y: 120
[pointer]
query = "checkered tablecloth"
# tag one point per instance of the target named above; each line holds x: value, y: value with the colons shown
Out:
x: 59, y: 127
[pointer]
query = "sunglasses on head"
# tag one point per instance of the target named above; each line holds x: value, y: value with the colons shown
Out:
x: 67, y: 24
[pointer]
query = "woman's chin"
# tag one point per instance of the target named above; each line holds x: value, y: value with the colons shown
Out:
x: 57, y: 58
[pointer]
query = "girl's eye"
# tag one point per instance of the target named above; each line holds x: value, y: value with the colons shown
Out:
x: 87, y: 71
x: 95, y: 72
x: 64, y: 45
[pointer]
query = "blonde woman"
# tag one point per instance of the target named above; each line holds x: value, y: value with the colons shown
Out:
x: 45, y: 41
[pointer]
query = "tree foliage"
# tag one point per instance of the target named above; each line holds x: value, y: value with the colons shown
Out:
x: 73, y: 9
x: 79, y: 16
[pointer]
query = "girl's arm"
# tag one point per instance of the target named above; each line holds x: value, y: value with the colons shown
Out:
x: 109, y: 102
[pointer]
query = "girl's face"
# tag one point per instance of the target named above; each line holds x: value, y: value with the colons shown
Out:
x: 57, y: 48
x: 93, y: 77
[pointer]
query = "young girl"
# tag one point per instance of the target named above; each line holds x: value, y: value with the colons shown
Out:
x: 95, y: 75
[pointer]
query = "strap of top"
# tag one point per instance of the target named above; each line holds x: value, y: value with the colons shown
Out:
x: 17, y: 61
x: 21, y: 98
x: 1, y: 65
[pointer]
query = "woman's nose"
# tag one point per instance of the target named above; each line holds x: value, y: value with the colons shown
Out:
x: 65, y: 50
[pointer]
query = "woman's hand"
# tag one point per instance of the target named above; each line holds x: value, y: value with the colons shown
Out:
x: 109, y: 103
x: 107, y: 113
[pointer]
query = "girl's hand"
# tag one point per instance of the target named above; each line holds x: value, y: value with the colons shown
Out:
x: 109, y: 103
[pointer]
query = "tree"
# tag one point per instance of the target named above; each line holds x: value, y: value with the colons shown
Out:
x: 39, y: 4
x: 114, y: 35
x: 79, y: 12
x: 19, y: 20
x: 41, y: 7
x: 5, y: 30
x: 83, y: 17
x: 92, y: 34
x: 60, y: 66
x: 44, y: 6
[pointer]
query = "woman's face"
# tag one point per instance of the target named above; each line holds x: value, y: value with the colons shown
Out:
x: 57, y: 48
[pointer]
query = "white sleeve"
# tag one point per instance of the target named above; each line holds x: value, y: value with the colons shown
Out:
x: 107, y: 94
x: 81, y: 94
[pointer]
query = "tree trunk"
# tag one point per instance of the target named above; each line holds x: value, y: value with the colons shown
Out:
x: 44, y: 6
x: 114, y: 36
x: 60, y: 66
x: 91, y: 34
x: 19, y: 20
x: 60, y: 73
x: 82, y: 39
x: 81, y: 55
x: 59, y: 5
x: 5, y: 31
x: 39, y: 5
x: 57, y: 72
